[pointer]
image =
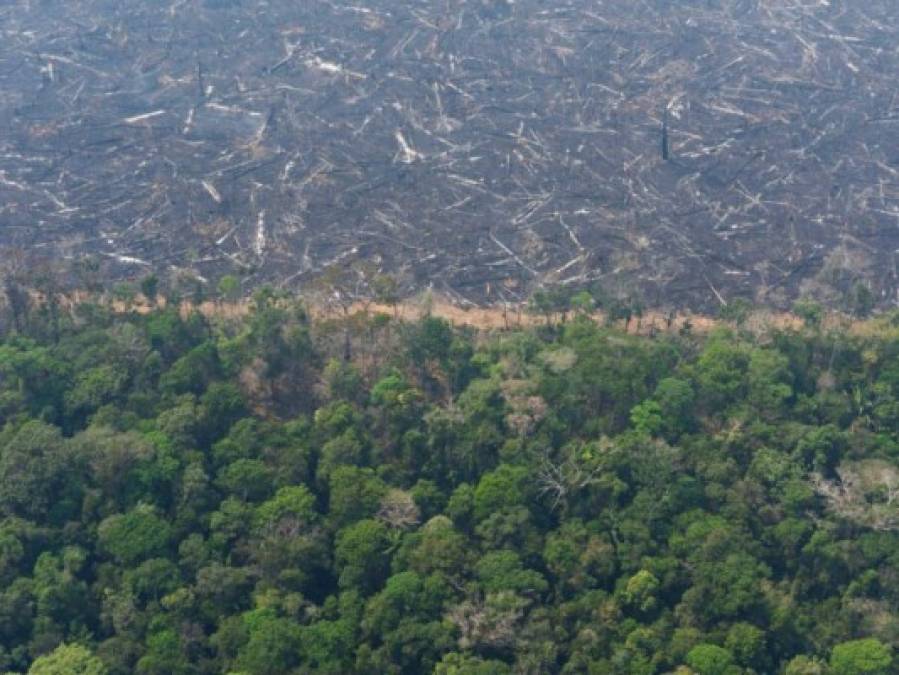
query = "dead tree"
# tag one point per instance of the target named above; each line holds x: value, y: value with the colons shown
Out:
x: 866, y: 493
x: 18, y: 302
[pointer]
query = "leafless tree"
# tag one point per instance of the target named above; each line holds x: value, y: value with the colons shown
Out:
x: 488, y: 622
x: 865, y: 492
x: 559, y: 479
x: 526, y: 409
x: 14, y: 287
x: 399, y: 510
x: 342, y: 286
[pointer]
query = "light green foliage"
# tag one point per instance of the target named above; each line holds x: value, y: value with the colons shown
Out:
x: 804, y: 665
x: 726, y: 588
x: 747, y: 643
x: 640, y: 591
x: 33, y: 379
x: 294, y: 505
x: 647, y: 418
x: 861, y: 657
x: 708, y: 659
x: 69, y: 659
x: 403, y: 594
x: 399, y: 401
x: 458, y: 664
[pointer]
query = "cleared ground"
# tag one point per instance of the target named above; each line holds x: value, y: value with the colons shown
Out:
x: 684, y: 152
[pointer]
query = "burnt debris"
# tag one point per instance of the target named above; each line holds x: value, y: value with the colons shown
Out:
x: 481, y: 146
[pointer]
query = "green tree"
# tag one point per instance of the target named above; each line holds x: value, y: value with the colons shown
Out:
x: 503, y: 571
x: 163, y: 654
x: 708, y: 659
x: 149, y: 286
x: 273, y: 646
x: 676, y: 400
x: 737, y: 310
x: 868, y: 656
x: 640, y: 591
x: 292, y: 507
x: 721, y: 371
x: 770, y: 381
x: 506, y: 486
x: 327, y: 646
x: 583, y: 303
x: 248, y: 479
x: 361, y: 555
x: 33, y: 380
x: 40, y: 476
x: 809, y: 311
x: 229, y: 288
x: 804, y: 665
x: 354, y: 494
x: 68, y: 659
x: 579, y: 557
x: 136, y: 535
x: 747, y: 643
x: 399, y: 402
x: 860, y: 300
x: 404, y: 619
x: 460, y: 664
x: 288, y: 546
x: 212, y: 496
x: 438, y: 547
x: 647, y: 418
x: 93, y: 388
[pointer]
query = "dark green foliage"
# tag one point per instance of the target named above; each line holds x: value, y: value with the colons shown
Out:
x: 181, y: 495
x: 361, y: 555
x: 133, y: 536
x: 149, y: 286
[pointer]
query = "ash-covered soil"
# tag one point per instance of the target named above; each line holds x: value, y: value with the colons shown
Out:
x: 688, y: 152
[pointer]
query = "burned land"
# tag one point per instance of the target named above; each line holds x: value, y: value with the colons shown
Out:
x: 686, y: 153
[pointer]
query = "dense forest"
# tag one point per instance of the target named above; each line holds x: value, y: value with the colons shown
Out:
x: 263, y: 492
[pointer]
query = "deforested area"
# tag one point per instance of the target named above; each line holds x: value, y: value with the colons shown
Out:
x: 271, y: 494
x: 687, y: 153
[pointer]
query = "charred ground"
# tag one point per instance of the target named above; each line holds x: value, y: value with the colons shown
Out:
x: 687, y: 152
